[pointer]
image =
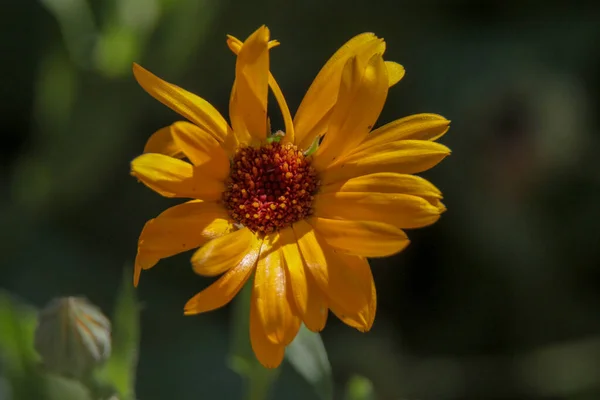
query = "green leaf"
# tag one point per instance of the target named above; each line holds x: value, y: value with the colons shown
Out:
x: 18, y: 359
x: 17, y: 327
x: 359, y: 388
x: 308, y: 357
x: 119, y: 371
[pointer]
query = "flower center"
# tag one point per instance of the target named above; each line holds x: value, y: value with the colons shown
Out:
x: 270, y: 187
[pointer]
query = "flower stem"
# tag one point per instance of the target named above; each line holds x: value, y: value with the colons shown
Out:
x: 257, y: 386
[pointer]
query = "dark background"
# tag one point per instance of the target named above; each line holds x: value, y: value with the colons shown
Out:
x: 498, y: 300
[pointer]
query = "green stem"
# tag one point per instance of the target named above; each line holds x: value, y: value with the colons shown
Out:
x: 258, y: 386
x: 240, y: 348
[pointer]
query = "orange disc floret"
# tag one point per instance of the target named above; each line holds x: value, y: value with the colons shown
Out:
x: 270, y: 187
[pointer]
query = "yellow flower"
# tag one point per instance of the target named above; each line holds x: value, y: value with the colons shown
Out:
x: 302, y: 225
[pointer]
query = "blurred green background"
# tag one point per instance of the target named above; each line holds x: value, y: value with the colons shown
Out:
x: 499, y: 300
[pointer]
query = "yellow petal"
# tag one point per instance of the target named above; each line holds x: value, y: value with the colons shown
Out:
x: 241, y: 135
x: 187, y: 104
x: 162, y: 142
x: 395, y: 72
x: 295, y: 268
x: 272, y: 298
x: 311, y: 120
x: 249, y: 111
x: 349, y: 281
x: 312, y: 254
x: 316, y: 314
x: 235, y: 45
x: 226, y: 287
x: 285, y: 111
x: 363, y: 91
x: 269, y: 354
x: 178, y: 229
x: 346, y: 282
x: 361, y: 317
x: 201, y: 148
x: 414, y: 127
x: 360, y: 238
x: 403, y: 156
x: 400, y: 210
x: 309, y: 302
x: 171, y: 177
x: 386, y: 182
x: 340, y: 277
x: 225, y: 252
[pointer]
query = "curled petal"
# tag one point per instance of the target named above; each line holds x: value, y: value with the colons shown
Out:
x: 162, y: 142
x: 227, y: 286
x: 201, y: 148
x: 363, y: 90
x: 395, y: 72
x: 285, y: 111
x: 178, y: 229
x: 248, y: 106
x: 225, y: 252
x: 312, y: 118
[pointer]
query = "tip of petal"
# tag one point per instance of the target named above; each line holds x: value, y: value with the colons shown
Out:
x: 441, y: 207
x: 145, y: 260
x: 262, y: 34
x: 137, y: 70
x: 234, y: 44
x: 190, y: 308
x: 395, y: 72
x: 444, y: 149
x: 364, y: 37
x: 269, y: 365
x: 137, y: 271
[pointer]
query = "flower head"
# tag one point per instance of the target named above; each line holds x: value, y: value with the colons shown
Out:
x: 300, y: 221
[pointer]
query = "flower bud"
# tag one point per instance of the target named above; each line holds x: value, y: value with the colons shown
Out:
x: 72, y: 336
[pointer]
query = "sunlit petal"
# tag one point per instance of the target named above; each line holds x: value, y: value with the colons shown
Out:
x: 227, y: 286
x: 272, y: 299
x: 171, y: 177
x: 360, y: 238
x: 363, y: 90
